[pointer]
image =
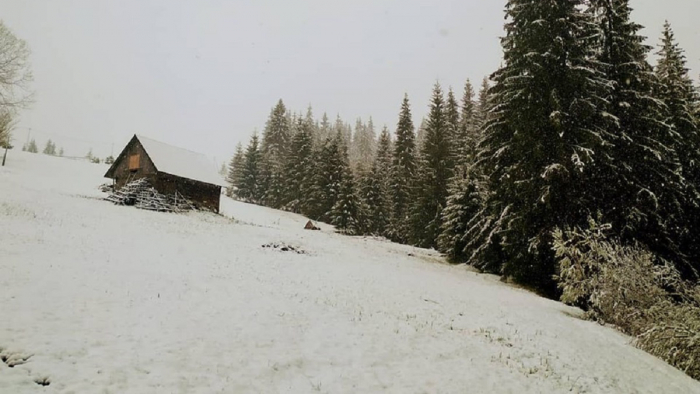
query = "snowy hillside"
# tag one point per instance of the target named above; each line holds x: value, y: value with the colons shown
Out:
x: 101, y: 298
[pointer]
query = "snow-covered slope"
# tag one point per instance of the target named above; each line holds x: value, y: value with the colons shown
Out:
x: 101, y: 298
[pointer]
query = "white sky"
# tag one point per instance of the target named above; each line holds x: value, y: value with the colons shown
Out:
x: 204, y: 74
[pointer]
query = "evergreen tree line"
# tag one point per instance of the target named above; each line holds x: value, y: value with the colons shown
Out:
x: 49, y: 148
x: 350, y: 177
x: 576, y: 124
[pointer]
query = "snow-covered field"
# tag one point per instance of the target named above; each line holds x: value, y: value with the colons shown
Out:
x: 96, y: 298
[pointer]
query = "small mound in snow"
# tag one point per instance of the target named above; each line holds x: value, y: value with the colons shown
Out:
x: 14, y: 359
x: 282, y: 247
x: 43, y: 381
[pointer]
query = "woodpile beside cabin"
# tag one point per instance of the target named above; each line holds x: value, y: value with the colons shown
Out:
x: 169, y: 170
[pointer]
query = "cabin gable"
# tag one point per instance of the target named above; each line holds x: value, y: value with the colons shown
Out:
x: 132, y: 163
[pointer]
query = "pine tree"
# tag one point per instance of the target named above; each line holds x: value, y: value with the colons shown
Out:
x: 299, y: 168
x: 50, y: 148
x: 311, y: 124
x: 434, y: 174
x: 644, y: 190
x: 404, y: 172
x: 546, y: 126
x: 453, y: 126
x: 249, y: 187
x: 356, y: 143
x: 274, y: 149
x: 60, y: 152
x: 482, y: 107
x: 681, y: 99
x: 420, y: 137
x: 468, y: 188
x: 377, y: 188
x: 468, y: 129
x: 326, y: 178
x: 234, y: 175
x: 32, y: 148
x: 346, y: 213
x: 465, y: 207
x: 324, y: 131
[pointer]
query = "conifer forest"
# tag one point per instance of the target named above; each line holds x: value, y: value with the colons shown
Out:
x: 576, y: 126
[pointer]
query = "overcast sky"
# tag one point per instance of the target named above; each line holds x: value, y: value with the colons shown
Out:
x: 204, y: 74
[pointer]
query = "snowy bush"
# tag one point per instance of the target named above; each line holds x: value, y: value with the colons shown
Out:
x: 675, y: 336
x: 628, y: 287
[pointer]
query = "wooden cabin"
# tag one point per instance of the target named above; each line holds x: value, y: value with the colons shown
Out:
x: 168, y: 169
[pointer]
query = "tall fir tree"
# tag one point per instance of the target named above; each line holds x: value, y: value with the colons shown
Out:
x: 466, y: 205
x: 327, y: 177
x: 681, y: 99
x: 434, y: 174
x: 249, y: 187
x: 274, y: 149
x: 310, y: 123
x: 234, y: 175
x: 377, y: 188
x: 482, y: 105
x: 355, y: 146
x: 468, y: 190
x: 346, y: 213
x: 404, y: 172
x: 50, y: 148
x: 32, y: 147
x: 299, y: 168
x: 420, y: 137
x: 468, y: 128
x: 547, y: 124
x: 453, y: 126
x: 324, y: 131
x: 643, y: 192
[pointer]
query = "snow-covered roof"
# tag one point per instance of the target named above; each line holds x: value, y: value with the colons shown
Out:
x: 181, y: 162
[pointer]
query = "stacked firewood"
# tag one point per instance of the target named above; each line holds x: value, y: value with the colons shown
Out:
x: 142, y: 195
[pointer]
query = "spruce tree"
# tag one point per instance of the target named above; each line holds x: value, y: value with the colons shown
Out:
x: 643, y: 192
x: 309, y: 123
x: 546, y: 127
x: 434, y: 174
x: 274, y: 148
x: 482, y: 105
x: 32, y: 148
x: 681, y: 99
x: 50, y: 148
x: 404, y: 172
x: 420, y: 137
x: 452, y: 119
x: 346, y: 213
x: 234, y: 175
x: 355, y: 146
x: 468, y: 188
x: 326, y: 178
x: 299, y: 168
x: 377, y: 189
x: 249, y: 187
x: 324, y: 131
x: 464, y: 210
x: 468, y: 129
